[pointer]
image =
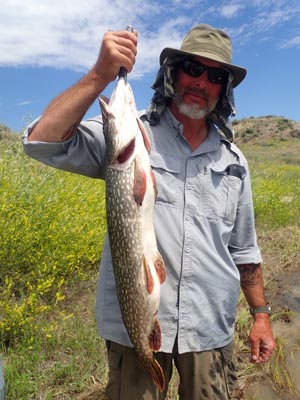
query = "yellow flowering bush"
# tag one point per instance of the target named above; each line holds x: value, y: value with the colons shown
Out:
x: 52, y: 225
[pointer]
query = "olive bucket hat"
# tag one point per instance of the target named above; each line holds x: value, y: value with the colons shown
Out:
x: 211, y: 43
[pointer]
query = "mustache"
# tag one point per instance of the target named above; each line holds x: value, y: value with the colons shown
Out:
x: 198, y: 91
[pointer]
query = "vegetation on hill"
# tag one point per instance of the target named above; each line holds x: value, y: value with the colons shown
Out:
x: 266, y: 129
x: 6, y: 133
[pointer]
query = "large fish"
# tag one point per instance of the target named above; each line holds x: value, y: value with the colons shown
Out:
x: 130, y: 197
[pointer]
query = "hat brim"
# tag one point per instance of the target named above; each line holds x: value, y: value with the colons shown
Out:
x: 239, y: 73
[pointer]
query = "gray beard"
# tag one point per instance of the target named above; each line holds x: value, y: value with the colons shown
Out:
x: 193, y: 111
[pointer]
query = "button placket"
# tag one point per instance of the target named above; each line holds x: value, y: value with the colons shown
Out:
x: 184, y: 295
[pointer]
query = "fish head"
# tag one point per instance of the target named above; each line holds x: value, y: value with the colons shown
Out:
x: 121, y: 127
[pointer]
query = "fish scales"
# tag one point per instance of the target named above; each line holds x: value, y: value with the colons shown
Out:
x: 130, y: 196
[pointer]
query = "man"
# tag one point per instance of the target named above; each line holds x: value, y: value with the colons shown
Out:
x: 203, y: 214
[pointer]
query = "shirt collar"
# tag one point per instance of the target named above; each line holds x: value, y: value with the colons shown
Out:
x: 212, y: 141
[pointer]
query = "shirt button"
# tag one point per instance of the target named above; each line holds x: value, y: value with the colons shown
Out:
x: 187, y: 250
x: 189, y: 186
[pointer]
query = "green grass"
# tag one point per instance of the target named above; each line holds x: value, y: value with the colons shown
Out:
x: 275, y: 175
x: 62, y: 365
x: 51, y: 232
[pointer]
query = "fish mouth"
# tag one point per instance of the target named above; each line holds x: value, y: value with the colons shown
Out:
x: 126, y: 153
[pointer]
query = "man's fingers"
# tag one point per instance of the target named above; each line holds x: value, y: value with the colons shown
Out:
x: 260, y: 354
x: 254, y: 353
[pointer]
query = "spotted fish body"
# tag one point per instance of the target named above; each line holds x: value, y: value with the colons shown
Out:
x: 130, y: 197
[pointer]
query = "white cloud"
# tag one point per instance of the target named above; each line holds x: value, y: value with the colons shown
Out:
x: 230, y: 10
x: 24, y: 103
x: 294, y: 42
x: 68, y: 33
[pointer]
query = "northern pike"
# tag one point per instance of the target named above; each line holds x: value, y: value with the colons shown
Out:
x: 130, y: 198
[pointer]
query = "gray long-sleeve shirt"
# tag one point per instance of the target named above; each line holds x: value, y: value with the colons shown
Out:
x: 204, y: 225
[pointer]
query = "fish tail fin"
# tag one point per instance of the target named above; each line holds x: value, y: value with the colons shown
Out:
x: 156, y: 372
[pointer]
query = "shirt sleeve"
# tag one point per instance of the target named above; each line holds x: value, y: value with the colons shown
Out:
x: 83, y: 153
x: 243, y: 242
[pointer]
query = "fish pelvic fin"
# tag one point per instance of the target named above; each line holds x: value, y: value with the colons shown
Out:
x: 156, y: 372
x: 160, y: 268
x: 149, y: 277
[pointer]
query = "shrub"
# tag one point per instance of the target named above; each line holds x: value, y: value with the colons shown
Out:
x: 51, y: 234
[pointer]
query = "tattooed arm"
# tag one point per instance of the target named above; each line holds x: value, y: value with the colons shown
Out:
x: 252, y: 284
x: 261, y: 336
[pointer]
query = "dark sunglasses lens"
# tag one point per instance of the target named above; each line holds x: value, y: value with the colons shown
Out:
x: 195, y: 69
x: 217, y: 75
x: 192, y: 68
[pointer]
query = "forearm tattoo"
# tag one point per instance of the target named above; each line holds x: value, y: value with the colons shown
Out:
x: 70, y: 131
x: 250, y: 275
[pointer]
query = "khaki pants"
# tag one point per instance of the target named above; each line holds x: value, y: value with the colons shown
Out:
x: 203, y: 375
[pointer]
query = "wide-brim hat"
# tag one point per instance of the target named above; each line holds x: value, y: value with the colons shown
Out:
x: 211, y: 43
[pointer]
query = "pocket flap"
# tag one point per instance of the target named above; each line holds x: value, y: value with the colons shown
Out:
x: 232, y: 170
x: 166, y: 162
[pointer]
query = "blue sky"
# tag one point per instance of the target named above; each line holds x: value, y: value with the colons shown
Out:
x: 46, y: 46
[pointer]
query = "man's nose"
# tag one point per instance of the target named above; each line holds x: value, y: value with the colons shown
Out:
x: 202, y: 80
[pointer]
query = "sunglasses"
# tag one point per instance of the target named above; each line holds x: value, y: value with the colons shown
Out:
x: 196, y: 69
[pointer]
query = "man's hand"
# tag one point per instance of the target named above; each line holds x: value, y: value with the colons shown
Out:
x: 118, y: 49
x: 261, y: 339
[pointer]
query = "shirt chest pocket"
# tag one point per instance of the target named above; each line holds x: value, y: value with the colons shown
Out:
x: 166, y: 170
x: 222, y: 191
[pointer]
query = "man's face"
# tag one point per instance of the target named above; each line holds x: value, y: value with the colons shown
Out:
x: 196, y: 96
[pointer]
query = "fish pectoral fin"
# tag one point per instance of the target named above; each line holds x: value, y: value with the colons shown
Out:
x: 149, y: 277
x: 160, y: 268
x: 140, y: 183
x: 155, y: 337
x: 156, y: 373
x: 126, y: 153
